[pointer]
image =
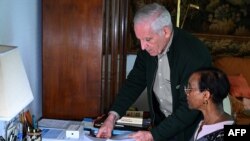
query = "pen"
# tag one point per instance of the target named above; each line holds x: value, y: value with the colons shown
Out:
x: 11, y: 136
x: 118, y: 125
x: 34, y: 122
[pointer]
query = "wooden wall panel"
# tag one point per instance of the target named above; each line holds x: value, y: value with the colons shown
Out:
x: 72, y: 58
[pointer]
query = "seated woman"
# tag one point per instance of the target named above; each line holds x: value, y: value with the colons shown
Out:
x: 206, y: 89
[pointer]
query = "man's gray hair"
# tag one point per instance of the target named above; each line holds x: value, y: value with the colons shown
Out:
x: 155, y: 13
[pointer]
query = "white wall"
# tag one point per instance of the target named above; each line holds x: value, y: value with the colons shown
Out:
x: 20, y: 25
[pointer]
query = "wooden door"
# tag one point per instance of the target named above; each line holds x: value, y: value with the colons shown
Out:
x: 72, y: 58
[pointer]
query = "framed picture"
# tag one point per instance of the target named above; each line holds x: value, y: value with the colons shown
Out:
x: 224, y: 25
x: 226, y: 45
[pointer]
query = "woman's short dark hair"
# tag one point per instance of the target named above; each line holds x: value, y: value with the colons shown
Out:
x: 215, y: 81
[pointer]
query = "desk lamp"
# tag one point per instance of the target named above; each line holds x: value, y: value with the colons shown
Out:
x: 15, y: 91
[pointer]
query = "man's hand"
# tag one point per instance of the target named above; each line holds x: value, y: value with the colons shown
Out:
x: 105, y: 130
x: 142, y: 136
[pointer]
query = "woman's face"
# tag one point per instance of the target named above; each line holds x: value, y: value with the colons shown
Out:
x: 194, y: 95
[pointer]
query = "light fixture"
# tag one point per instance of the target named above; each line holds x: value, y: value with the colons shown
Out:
x: 178, y: 13
x: 15, y: 91
x: 178, y: 16
x: 188, y: 7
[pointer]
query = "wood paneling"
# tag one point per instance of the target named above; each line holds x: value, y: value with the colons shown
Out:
x: 72, y: 58
x: 114, y: 49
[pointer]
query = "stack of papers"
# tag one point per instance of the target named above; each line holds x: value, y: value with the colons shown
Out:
x: 130, y: 121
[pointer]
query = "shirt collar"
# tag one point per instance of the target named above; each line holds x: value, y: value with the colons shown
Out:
x: 168, y: 45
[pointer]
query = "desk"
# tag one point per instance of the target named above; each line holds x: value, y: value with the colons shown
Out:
x: 86, y: 137
x: 55, y: 130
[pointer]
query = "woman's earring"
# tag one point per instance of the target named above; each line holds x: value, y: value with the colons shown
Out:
x: 205, y: 102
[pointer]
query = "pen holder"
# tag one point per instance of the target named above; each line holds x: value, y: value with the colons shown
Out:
x: 34, y: 135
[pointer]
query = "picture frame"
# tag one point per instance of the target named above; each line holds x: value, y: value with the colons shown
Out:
x: 226, y: 45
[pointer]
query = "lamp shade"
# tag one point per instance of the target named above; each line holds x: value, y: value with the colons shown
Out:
x: 15, y: 91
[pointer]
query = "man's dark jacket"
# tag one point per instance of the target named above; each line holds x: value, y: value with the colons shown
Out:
x: 185, y: 54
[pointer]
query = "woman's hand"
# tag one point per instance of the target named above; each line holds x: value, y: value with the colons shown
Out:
x: 142, y: 136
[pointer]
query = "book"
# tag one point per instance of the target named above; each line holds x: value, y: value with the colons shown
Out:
x: 135, y: 119
x: 131, y: 121
x: 141, y: 123
x: 138, y: 114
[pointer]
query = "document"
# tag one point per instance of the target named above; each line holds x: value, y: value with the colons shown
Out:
x: 49, y: 133
x: 58, y: 124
